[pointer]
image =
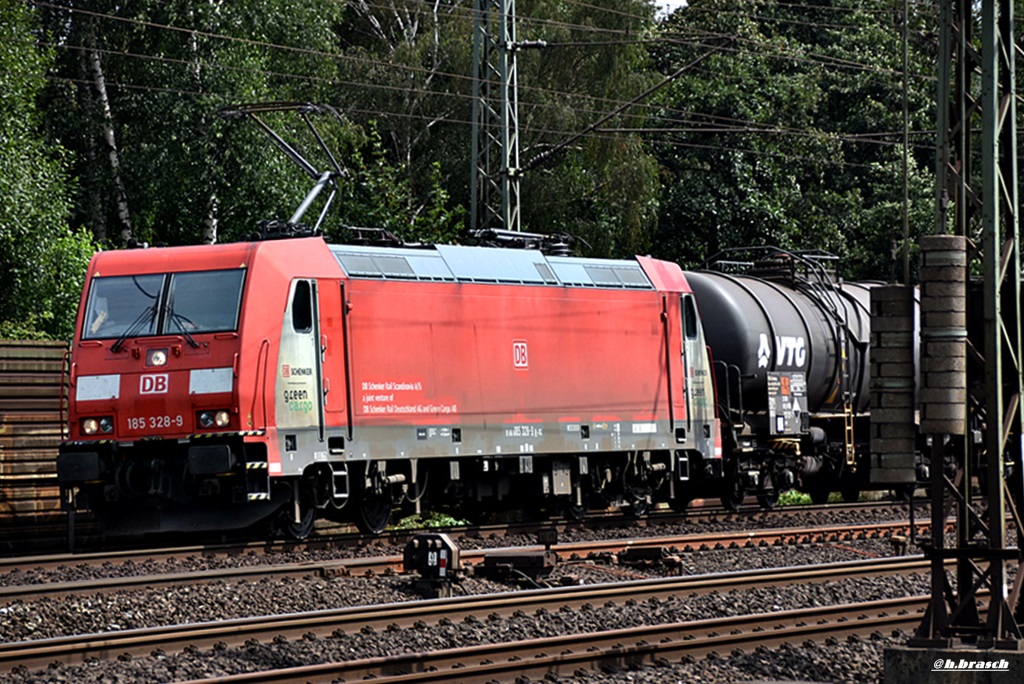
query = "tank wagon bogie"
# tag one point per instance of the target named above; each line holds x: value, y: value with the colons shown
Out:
x: 285, y: 380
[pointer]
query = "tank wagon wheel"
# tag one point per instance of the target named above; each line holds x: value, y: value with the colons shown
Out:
x: 768, y: 500
x: 819, y: 496
x: 732, y: 500
x: 849, y: 494
x: 681, y: 501
x: 904, y: 493
x: 819, y: 493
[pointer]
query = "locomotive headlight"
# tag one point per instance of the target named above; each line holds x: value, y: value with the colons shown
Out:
x: 90, y: 426
x: 219, y: 418
x: 106, y: 425
x: 156, y: 357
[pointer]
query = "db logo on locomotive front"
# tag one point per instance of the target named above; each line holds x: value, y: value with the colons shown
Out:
x: 153, y: 384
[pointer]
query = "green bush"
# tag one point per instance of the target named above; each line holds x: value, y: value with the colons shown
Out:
x: 793, y: 497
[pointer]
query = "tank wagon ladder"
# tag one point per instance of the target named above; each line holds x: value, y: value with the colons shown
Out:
x: 848, y: 438
x: 827, y: 293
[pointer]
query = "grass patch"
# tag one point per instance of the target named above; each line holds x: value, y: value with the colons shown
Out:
x: 433, y: 519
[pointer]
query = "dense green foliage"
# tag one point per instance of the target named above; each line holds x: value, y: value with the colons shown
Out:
x: 736, y: 122
x: 41, y: 258
x: 789, y: 128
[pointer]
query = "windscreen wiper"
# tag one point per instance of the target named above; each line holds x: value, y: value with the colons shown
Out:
x: 145, y: 317
x: 180, y: 320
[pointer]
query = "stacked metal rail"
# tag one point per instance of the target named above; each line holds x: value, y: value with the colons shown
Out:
x: 31, y: 397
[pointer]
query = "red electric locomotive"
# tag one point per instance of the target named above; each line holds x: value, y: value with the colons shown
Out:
x: 214, y: 387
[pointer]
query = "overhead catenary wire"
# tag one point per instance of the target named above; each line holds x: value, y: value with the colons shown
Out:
x: 737, y: 126
x: 671, y: 143
x: 543, y: 156
x: 741, y: 125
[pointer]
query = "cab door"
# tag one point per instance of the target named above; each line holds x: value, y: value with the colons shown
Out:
x: 299, y: 398
x: 692, y: 354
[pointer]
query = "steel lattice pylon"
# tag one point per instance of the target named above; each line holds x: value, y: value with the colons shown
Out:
x: 981, y: 206
x: 494, y: 178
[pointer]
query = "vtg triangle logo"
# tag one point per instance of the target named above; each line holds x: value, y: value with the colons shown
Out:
x: 764, y: 351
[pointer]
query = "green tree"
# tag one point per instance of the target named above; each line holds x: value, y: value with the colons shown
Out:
x: 187, y: 175
x: 405, y: 76
x: 167, y: 67
x: 43, y: 260
x: 380, y: 196
x: 413, y: 61
x: 784, y: 131
x: 602, y: 187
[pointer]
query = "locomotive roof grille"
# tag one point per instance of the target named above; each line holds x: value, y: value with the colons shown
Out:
x: 453, y: 263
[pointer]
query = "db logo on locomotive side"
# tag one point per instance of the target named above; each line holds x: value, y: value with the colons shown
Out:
x: 153, y: 384
x: 520, y: 355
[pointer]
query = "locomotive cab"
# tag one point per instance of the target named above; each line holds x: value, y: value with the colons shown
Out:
x: 155, y: 423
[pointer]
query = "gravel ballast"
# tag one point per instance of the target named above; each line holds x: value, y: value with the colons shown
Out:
x: 857, y: 661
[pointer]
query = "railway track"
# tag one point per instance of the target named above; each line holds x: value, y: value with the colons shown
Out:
x: 337, y: 537
x: 51, y: 537
x: 323, y: 623
x: 659, y: 645
x: 391, y: 563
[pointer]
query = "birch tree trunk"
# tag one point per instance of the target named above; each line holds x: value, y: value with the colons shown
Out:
x: 211, y: 221
x: 96, y: 71
x: 91, y: 178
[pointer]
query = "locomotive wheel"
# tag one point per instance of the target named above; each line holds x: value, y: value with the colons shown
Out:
x: 576, y: 512
x: 285, y: 523
x: 302, y: 529
x: 819, y: 494
x: 639, y: 504
x: 849, y: 494
x: 732, y: 497
x: 374, y: 514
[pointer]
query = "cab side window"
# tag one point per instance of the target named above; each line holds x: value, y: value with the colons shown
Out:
x: 302, y: 308
x: 689, y: 318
